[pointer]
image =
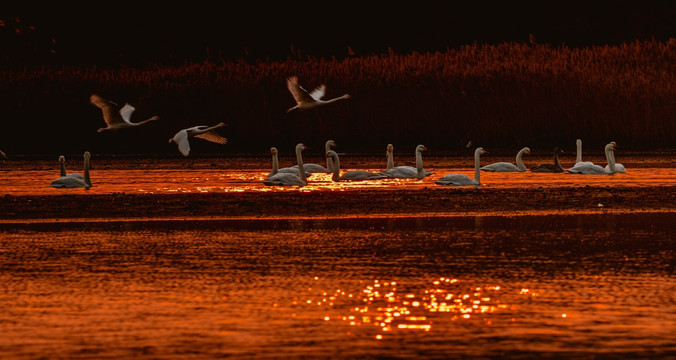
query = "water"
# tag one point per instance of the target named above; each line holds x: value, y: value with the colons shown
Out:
x: 432, y: 287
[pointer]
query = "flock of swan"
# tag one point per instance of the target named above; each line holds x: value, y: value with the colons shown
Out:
x: 297, y: 174
x: 119, y: 117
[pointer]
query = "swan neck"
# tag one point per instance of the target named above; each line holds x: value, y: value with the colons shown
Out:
x: 419, y: 163
x: 336, y: 169
x: 62, y: 168
x: 301, y: 169
x: 610, y: 157
x: 519, y: 161
x: 87, y: 179
x: 275, y: 165
x: 477, y: 170
x: 329, y: 160
x: 390, y: 160
x: 556, y: 160
x: 578, y: 156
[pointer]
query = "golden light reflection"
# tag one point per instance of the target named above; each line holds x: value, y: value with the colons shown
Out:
x: 383, y: 305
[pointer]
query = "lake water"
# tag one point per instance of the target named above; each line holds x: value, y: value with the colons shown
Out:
x: 527, y: 286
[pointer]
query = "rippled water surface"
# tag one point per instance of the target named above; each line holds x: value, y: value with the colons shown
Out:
x: 432, y: 287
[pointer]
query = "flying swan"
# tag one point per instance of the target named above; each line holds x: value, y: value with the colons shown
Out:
x: 307, y: 100
x: 409, y: 172
x: 74, y: 181
x: 462, y: 179
x: 350, y: 175
x: 115, y: 117
x: 182, y: 137
x: 589, y: 168
x: 506, y: 167
x: 290, y: 179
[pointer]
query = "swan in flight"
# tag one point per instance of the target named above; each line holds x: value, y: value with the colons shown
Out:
x: 553, y: 168
x: 290, y: 179
x: 462, y: 179
x: 316, y: 168
x: 209, y: 133
x: 619, y: 168
x: 350, y: 175
x: 74, y: 181
x: 409, y: 172
x: 62, y: 169
x: 505, y: 166
x: 589, y: 168
x: 115, y: 117
x: 307, y: 100
x: 275, y: 165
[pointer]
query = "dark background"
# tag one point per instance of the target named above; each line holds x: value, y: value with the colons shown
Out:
x: 141, y: 33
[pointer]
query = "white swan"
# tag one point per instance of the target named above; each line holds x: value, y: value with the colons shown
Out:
x: 619, y: 168
x: 409, y: 172
x: 73, y: 181
x: 307, y: 100
x: 462, y: 179
x: 115, y: 117
x: 290, y: 179
x: 505, y: 166
x: 62, y: 169
x: 578, y: 155
x: 275, y: 165
x: 552, y: 168
x: 316, y: 168
x: 350, y: 175
x: 589, y: 168
x: 208, y: 133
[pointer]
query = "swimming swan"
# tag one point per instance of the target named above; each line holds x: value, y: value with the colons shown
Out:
x: 505, y: 166
x: 462, y: 179
x: 62, y: 169
x: 316, y: 168
x: 290, y: 179
x: 409, y: 172
x: 589, y: 168
x: 182, y: 137
x: 306, y: 100
x: 73, y: 181
x: 115, y: 117
x: 578, y: 155
x: 553, y: 168
x: 275, y: 165
x: 350, y: 175
x: 619, y: 168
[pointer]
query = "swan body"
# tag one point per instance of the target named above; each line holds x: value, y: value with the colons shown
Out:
x: 409, y: 172
x: 589, y: 168
x: 75, y: 181
x: 619, y: 168
x: 350, y: 175
x: 462, y: 179
x: 316, y: 168
x: 506, y: 166
x: 553, y: 168
x: 275, y: 165
x: 208, y: 133
x: 62, y: 169
x: 116, y: 118
x: 287, y: 178
x: 308, y: 100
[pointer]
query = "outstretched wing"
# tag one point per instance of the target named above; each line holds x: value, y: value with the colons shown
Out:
x: 109, y: 109
x: 318, y: 92
x: 181, y: 139
x: 126, y: 111
x: 213, y: 137
x: 299, y: 94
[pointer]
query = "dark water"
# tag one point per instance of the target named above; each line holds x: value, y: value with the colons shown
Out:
x: 534, y: 286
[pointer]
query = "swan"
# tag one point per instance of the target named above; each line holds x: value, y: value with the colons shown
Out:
x: 275, y: 165
x: 2, y: 153
x: 290, y: 179
x: 73, y: 181
x: 578, y: 155
x: 182, y: 137
x: 619, y: 168
x: 115, y: 117
x: 408, y: 172
x: 350, y: 175
x: 62, y: 169
x: 589, y: 168
x: 462, y: 179
x: 390, y: 156
x: 505, y: 166
x: 553, y: 168
x: 307, y: 100
x: 316, y: 168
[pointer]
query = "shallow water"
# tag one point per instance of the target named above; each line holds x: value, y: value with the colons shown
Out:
x: 433, y: 287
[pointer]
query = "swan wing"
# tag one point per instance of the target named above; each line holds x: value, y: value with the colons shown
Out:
x: 455, y: 179
x: 67, y: 182
x: 361, y: 175
x: 181, y: 140
x: 500, y: 166
x: 108, y: 108
x: 318, y: 92
x: 312, y: 168
x: 125, y: 113
x: 401, y: 172
x: 284, y: 179
x: 212, y: 136
x: 299, y: 94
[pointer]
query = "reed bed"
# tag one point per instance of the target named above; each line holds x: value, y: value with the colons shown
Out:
x: 498, y: 96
